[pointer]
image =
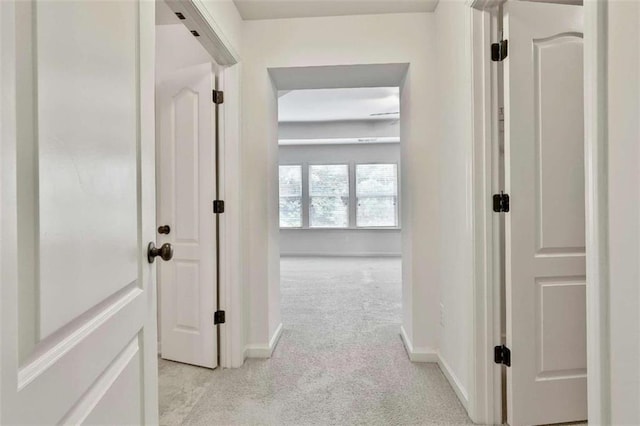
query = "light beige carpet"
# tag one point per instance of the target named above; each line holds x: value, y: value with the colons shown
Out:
x: 340, y: 360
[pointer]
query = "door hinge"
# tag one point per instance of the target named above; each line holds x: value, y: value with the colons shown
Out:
x: 502, y: 355
x: 218, y: 317
x: 499, y: 50
x: 218, y: 96
x: 218, y: 206
x: 501, y: 202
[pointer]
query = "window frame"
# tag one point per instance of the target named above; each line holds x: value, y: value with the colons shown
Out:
x: 352, y: 208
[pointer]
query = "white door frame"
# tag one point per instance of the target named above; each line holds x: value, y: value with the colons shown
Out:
x: 197, y: 18
x: 485, y: 402
x: 597, y: 205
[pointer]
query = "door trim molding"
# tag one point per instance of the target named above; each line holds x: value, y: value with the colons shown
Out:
x: 485, y: 396
x: 597, y: 232
x: 231, y: 333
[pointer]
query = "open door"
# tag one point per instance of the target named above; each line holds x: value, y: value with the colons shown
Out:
x: 78, y: 324
x: 186, y: 190
x: 545, y: 228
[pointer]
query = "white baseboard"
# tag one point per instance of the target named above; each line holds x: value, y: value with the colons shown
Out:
x: 353, y: 254
x: 460, y: 391
x: 264, y: 351
x: 417, y: 354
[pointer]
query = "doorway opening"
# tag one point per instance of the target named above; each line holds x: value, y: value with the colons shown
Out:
x: 339, y: 216
x: 187, y: 183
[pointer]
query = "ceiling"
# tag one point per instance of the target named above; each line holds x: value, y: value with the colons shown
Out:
x: 369, y: 103
x: 276, y: 9
x: 339, y: 76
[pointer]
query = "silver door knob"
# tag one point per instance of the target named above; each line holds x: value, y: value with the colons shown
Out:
x: 165, y: 252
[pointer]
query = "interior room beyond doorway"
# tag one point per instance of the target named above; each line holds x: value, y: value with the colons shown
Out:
x: 339, y: 206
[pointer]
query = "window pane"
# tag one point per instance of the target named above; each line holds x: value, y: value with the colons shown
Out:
x: 329, y: 212
x: 329, y: 196
x: 290, y: 212
x: 376, y: 179
x: 290, y: 196
x: 329, y: 180
x: 377, y: 195
x: 291, y: 181
x: 377, y: 211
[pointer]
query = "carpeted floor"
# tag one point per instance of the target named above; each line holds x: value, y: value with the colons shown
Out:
x: 340, y: 360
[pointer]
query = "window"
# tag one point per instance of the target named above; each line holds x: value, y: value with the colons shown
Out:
x: 329, y: 196
x: 290, y: 196
x: 339, y: 196
x: 376, y: 195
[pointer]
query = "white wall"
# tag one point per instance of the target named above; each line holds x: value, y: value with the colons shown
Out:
x: 376, y: 39
x: 456, y: 236
x: 177, y: 48
x: 339, y: 242
x: 339, y: 129
x: 624, y: 209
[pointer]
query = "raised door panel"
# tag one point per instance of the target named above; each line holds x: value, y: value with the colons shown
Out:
x: 187, y: 292
x: 186, y: 186
x: 88, y: 240
x: 562, y: 337
x: 559, y: 126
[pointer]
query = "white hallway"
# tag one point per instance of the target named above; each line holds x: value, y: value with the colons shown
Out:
x: 78, y: 217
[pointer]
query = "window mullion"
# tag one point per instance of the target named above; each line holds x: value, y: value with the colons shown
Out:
x: 305, y: 195
x: 352, y: 195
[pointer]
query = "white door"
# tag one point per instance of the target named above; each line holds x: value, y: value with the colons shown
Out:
x: 186, y: 190
x: 77, y: 321
x: 545, y: 229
